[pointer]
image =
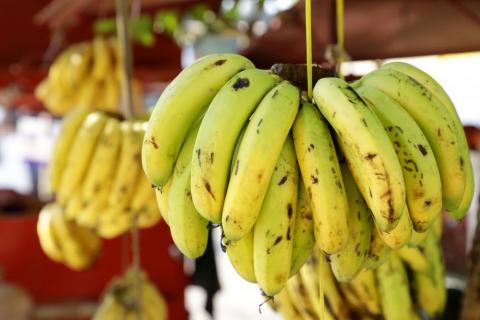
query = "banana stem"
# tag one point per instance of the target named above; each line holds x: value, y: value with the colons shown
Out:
x: 297, y: 74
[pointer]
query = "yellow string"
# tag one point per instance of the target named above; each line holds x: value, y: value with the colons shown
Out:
x: 320, y: 284
x: 308, y: 38
x: 340, y: 34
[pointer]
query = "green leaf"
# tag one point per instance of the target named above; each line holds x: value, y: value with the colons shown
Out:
x: 107, y: 25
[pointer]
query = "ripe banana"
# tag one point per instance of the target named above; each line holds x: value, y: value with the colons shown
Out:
x: 286, y: 307
x: 110, y: 309
x: 70, y: 126
x: 414, y: 257
x: 420, y: 171
x: 429, y: 285
x: 219, y: 131
x: 175, y: 113
x: 80, y: 154
x: 376, y: 169
x: 378, y: 252
x: 102, y: 58
x: 300, y: 299
x: 434, y: 87
x: 435, y: 122
x: 322, y: 177
x: 394, y: 290
x: 48, y: 239
x: 188, y: 228
x: 114, y: 221
x: 129, y: 167
x: 361, y: 293
x: 310, y: 280
x: 240, y: 254
x: 273, y: 231
x: 161, y: 194
x: 303, y: 234
x: 347, y: 263
x: 401, y: 234
x: 258, y: 152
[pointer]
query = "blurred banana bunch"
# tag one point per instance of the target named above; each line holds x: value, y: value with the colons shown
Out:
x: 88, y: 75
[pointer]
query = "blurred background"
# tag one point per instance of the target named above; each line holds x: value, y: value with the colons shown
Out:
x: 440, y: 37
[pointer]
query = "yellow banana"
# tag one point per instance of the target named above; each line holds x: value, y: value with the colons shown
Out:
x: 420, y: 171
x: 377, y: 171
x: 80, y: 154
x: 161, y: 194
x: 322, y: 177
x: 114, y: 221
x: 401, y: 234
x: 240, y: 254
x: 414, y: 257
x: 102, y: 58
x: 175, y: 113
x: 70, y: 126
x: 361, y: 293
x: 48, y: 240
x: 300, y: 299
x: 188, y: 228
x: 347, y: 263
x: 227, y: 114
x: 258, y: 152
x: 286, y: 307
x: 378, y: 252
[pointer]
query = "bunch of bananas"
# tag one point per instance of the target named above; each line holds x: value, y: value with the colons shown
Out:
x: 363, y: 170
x: 403, y: 287
x: 87, y: 75
x: 97, y: 175
x: 119, y: 300
x: 64, y: 241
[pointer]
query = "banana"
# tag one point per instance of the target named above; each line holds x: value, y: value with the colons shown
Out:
x: 273, y: 230
x: 79, y: 64
x: 175, y: 113
x: 429, y: 285
x: 437, y: 227
x: 286, y: 307
x: 418, y: 237
x: 377, y: 171
x: 161, y: 194
x: 420, y: 171
x: 129, y: 167
x: 378, y: 252
x: 394, y: 290
x: 148, y: 215
x: 80, y: 154
x: 322, y: 177
x: 110, y: 309
x: 401, y: 234
x: 102, y: 58
x: 103, y: 164
x: 361, y: 293
x: 154, y: 300
x: 75, y: 255
x: 114, y: 221
x: 260, y: 147
x: 303, y: 234
x: 219, y: 131
x: 143, y: 193
x: 414, y: 257
x: 89, y: 213
x: 309, y: 278
x: 300, y: 299
x: 188, y: 228
x: 434, y: 87
x: 70, y: 126
x: 348, y: 262
x: 48, y: 240
x: 334, y: 303
x: 435, y: 122
x: 74, y: 205
x: 240, y: 254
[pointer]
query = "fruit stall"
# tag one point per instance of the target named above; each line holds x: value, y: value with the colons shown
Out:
x: 239, y: 159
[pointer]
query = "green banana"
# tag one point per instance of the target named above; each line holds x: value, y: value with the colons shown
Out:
x: 80, y: 154
x: 240, y: 254
x: 435, y: 122
x: 70, y: 126
x: 376, y: 169
x: 401, y: 234
x: 175, y: 113
x: 420, y: 171
x: 394, y: 290
x: 220, y: 128
x: 322, y: 177
x: 273, y: 230
x: 436, y: 89
x: 258, y: 152
x: 303, y: 234
x: 188, y: 228
x: 347, y: 263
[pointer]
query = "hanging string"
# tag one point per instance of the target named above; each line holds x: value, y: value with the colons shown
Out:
x: 308, y: 39
x: 340, y: 36
x: 123, y: 34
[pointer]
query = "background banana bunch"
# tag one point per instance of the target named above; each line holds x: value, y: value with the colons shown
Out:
x: 86, y: 75
x: 118, y: 302
x: 64, y: 241
x: 362, y: 172
x: 401, y: 288
x: 97, y: 176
